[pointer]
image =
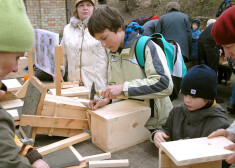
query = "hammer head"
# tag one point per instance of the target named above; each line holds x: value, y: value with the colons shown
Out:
x: 93, y: 91
x: 27, y: 141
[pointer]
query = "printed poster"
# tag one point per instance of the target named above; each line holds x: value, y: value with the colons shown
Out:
x: 44, y: 50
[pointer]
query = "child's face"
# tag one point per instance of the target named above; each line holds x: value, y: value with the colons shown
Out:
x: 110, y: 40
x: 195, y: 26
x: 194, y: 103
x: 9, y: 63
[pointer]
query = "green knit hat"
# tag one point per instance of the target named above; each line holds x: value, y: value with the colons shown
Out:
x: 16, y: 31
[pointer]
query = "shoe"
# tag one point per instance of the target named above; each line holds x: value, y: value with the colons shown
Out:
x: 231, y: 108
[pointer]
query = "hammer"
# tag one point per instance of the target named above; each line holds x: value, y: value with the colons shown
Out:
x: 98, y: 92
x: 26, y: 142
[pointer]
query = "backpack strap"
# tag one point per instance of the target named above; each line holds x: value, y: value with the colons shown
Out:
x: 140, y: 50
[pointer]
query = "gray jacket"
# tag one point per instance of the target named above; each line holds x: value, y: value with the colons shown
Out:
x: 176, y: 26
x: 9, y: 151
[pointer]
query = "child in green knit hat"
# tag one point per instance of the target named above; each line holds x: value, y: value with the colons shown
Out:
x: 16, y: 38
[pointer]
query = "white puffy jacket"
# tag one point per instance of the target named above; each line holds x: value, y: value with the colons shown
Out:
x: 84, y: 56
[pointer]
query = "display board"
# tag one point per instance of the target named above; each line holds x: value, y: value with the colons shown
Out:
x: 44, y: 50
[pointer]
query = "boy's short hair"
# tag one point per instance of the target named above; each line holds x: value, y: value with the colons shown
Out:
x: 105, y: 18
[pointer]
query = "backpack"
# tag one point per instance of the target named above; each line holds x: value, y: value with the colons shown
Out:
x: 173, y: 54
x: 143, y: 19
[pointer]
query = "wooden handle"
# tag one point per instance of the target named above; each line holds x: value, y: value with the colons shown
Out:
x: 98, y: 92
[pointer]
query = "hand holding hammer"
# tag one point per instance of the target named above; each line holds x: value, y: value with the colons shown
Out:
x: 109, y: 92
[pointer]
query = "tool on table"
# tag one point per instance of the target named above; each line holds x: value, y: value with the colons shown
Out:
x: 98, y: 92
x: 26, y: 142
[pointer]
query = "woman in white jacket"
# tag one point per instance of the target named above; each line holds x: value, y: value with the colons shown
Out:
x: 84, y: 57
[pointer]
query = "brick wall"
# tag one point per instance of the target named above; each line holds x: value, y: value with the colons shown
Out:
x: 52, y: 15
x: 47, y: 14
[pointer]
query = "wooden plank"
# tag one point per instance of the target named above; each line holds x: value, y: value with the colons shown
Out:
x: 204, y: 150
x: 54, y: 115
x: 30, y: 63
x: 83, y: 101
x: 22, y: 92
x: 166, y: 162
x: 22, y: 132
x: 58, y: 70
x: 53, y: 122
x: 63, y: 143
x: 11, y: 103
x: 75, y: 152
x: 64, y: 85
x: 109, y: 163
x: 65, y: 102
x: 12, y: 84
x: 101, y: 156
x: 59, y: 132
x: 14, y: 113
x: 63, y: 112
x: 81, y: 165
x: 73, y: 92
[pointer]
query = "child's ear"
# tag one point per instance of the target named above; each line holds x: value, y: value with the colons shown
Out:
x: 119, y: 29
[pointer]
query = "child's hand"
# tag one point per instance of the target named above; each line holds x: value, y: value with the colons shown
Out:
x: 40, y: 164
x: 112, y: 91
x: 96, y: 103
x: 159, y: 137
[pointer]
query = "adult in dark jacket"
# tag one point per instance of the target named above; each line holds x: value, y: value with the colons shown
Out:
x: 16, y: 38
x: 208, y: 51
x: 175, y: 25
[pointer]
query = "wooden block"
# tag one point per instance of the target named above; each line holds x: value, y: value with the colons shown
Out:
x: 59, y: 132
x: 198, y: 150
x: 63, y: 143
x: 72, y: 92
x: 101, y: 156
x: 109, y: 163
x: 12, y: 84
x: 53, y: 122
x: 120, y: 125
x: 75, y: 152
x: 14, y: 113
x: 166, y: 162
x: 11, y: 103
x: 22, y: 63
